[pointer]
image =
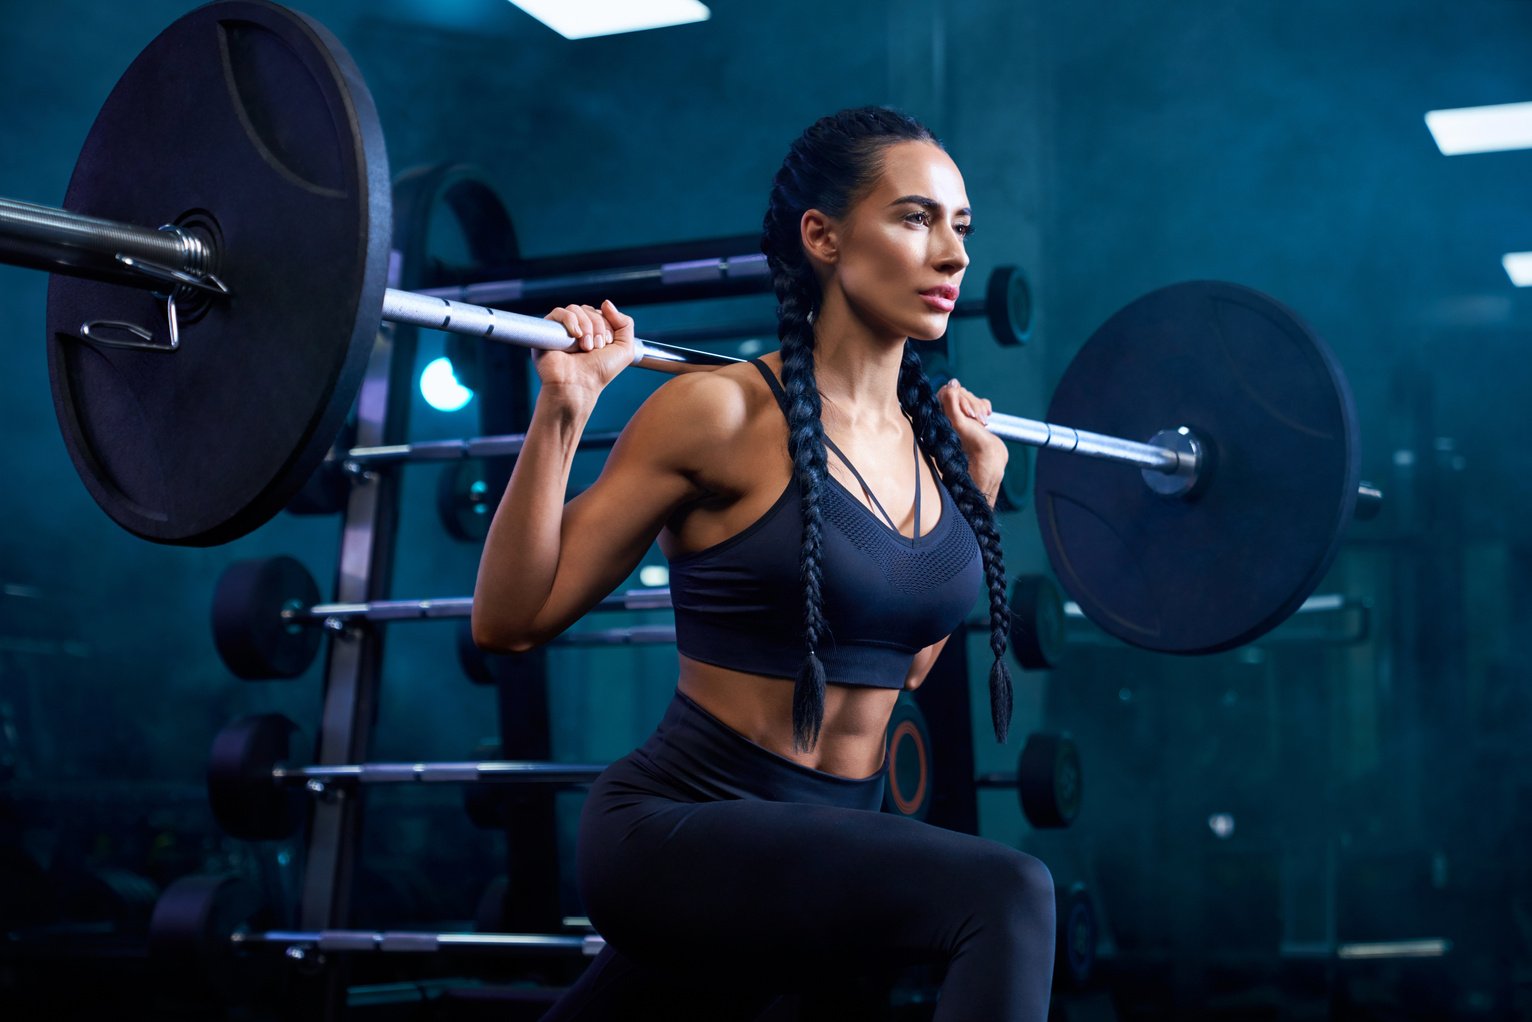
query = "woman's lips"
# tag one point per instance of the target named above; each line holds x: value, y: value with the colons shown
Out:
x: 936, y: 301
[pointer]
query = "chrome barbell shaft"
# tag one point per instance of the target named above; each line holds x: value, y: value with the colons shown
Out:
x: 56, y: 240
x: 436, y: 313
x: 465, y: 772
x: 418, y: 942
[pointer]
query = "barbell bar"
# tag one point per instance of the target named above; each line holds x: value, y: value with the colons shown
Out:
x: 204, y: 923
x: 198, y: 401
x: 258, y: 794
x: 268, y: 621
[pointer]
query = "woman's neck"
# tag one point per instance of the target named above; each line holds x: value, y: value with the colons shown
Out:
x: 857, y: 369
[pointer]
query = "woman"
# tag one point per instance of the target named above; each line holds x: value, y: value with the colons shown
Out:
x: 739, y: 853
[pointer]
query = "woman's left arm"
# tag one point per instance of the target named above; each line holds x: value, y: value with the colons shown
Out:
x: 987, y: 457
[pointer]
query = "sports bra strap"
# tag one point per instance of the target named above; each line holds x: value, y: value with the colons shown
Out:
x: 771, y: 381
x: 781, y: 396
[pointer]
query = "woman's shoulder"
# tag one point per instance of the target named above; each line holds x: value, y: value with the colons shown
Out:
x: 717, y: 403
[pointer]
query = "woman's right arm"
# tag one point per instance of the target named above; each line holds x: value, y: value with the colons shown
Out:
x: 545, y: 562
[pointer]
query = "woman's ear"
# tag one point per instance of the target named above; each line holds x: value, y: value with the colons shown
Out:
x: 820, y: 236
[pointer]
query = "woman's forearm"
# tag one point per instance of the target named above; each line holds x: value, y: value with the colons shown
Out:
x: 521, y: 552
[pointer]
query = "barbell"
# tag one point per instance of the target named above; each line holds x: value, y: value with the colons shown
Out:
x: 215, y: 294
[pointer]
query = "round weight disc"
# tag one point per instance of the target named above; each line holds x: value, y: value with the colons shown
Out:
x: 191, y: 925
x: 1008, y: 306
x: 463, y: 500
x: 248, y: 631
x: 250, y: 125
x: 1049, y: 783
x: 1075, y: 953
x: 245, y: 800
x: 1037, y: 622
x: 1266, y: 395
x: 907, y: 791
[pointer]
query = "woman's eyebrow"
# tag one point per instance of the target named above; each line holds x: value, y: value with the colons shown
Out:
x: 931, y: 204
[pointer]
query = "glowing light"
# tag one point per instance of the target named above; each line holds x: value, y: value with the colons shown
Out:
x: 1482, y: 129
x: 582, y: 19
x: 1518, y: 266
x: 441, y: 389
x: 1222, y: 825
x: 654, y: 575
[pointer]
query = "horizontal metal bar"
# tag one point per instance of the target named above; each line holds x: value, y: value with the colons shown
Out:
x: 56, y: 240
x: 529, y: 331
x: 464, y: 772
x: 409, y: 941
x: 505, y: 445
x: 1093, y: 445
x: 995, y: 781
x: 656, y: 598
x: 553, y: 287
x: 1319, y: 603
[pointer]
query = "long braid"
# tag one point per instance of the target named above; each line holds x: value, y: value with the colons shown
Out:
x: 936, y: 436
x: 806, y: 448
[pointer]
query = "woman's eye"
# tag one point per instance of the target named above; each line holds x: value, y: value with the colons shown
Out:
x: 920, y: 216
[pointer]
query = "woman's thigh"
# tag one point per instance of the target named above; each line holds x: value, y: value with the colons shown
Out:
x: 783, y: 888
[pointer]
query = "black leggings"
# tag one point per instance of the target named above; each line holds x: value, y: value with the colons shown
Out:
x: 723, y: 875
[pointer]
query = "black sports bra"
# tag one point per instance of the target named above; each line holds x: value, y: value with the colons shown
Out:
x: 739, y: 603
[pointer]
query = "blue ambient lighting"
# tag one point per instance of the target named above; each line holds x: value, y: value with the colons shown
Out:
x: 441, y: 389
x: 1518, y: 266
x: 1482, y: 129
x: 581, y: 19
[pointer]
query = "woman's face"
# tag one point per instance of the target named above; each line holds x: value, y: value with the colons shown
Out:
x: 899, y: 253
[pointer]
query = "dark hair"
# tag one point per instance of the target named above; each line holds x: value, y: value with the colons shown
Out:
x: 832, y: 165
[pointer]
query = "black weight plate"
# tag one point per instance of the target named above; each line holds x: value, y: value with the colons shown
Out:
x: 248, y: 631
x: 246, y: 801
x: 1049, y: 783
x: 463, y: 500
x: 908, y: 786
x: 190, y: 929
x: 1037, y: 622
x: 1075, y: 953
x: 329, y: 488
x: 1217, y: 570
x: 1008, y: 306
x: 251, y: 124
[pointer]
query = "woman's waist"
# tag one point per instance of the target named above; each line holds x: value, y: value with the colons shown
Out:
x: 700, y: 754
x: 759, y: 708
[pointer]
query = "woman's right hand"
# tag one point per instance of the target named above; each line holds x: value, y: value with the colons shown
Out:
x: 605, y: 348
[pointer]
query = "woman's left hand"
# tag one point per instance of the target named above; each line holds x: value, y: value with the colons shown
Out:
x: 987, y: 454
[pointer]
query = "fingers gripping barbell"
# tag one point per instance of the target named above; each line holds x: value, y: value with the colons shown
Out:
x: 195, y: 416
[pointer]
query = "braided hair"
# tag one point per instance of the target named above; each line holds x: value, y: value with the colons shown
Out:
x: 833, y: 164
